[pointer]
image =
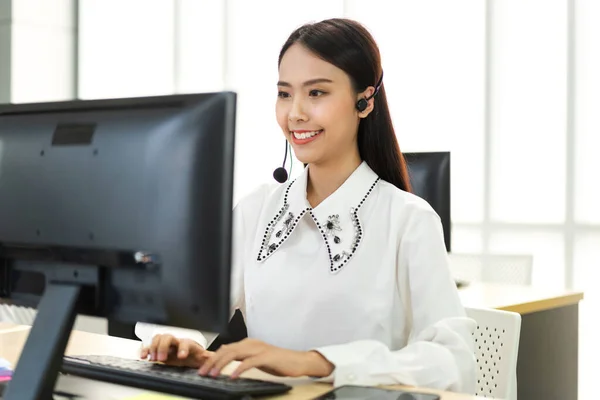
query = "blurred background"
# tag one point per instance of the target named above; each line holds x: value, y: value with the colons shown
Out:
x: 510, y: 87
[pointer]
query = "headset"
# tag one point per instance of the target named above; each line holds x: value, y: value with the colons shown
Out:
x: 362, y: 104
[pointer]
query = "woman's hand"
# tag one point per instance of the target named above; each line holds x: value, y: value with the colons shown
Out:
x: 273, y: 360
x: 179, y: 352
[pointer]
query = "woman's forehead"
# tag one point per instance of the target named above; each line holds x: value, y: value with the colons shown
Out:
x: 299, y: 65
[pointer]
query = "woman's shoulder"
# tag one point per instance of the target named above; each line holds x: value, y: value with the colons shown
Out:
x: 412, y: 216
x: 255, y: 200
x: 405, y: 203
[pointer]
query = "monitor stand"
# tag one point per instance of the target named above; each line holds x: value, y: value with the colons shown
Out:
x: 42, y: 357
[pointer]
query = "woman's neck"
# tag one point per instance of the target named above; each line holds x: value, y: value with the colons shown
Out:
x: 324, y: 179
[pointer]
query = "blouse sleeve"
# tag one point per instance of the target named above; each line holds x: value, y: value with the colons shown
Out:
x: 440, y: 351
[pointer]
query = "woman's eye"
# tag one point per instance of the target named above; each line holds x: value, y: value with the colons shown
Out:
x: 315, y: 93
x: 283, y: 95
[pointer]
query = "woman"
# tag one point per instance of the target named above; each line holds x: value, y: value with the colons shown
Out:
x: 341, y: 274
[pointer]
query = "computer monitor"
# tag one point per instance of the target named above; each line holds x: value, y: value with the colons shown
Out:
x: 430, y: 179
x: 114, y: 208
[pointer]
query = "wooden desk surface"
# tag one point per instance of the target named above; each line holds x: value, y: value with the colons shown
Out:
x: 516, y: 298
x: 13, y: 337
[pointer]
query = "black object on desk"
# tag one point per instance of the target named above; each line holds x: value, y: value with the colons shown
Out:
x: 460, y: 283
x: 350, y: 392
x: 118, y: 209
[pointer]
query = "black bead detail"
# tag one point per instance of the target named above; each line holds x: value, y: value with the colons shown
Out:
x: 338, y: 257
x: 354, y: 213
x: 291, y: 224
x: 287, y: 191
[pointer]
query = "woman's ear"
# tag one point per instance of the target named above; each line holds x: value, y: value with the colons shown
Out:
x: 370, y: 103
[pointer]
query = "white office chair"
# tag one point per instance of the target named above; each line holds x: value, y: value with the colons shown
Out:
x: 496, y: 348
x: 16, y: 315
x: 492, y: 268
x: 25, y: 316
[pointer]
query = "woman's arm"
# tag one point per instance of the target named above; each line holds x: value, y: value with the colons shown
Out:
x: 440, y: 351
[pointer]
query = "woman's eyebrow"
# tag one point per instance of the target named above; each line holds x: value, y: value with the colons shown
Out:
x: 307, y: 83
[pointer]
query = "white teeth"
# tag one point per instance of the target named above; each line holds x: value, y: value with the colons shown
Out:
x: 306, y: 135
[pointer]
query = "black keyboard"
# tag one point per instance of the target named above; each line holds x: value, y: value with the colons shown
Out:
x: 180, y: 381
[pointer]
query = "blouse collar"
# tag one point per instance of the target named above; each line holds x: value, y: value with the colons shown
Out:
x: 337, y: 217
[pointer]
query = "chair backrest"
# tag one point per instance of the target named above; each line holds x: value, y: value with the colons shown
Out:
x: 492, y: 268
x: 430, y: 179
x: 496, y: 348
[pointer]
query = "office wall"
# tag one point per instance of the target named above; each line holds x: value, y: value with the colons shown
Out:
x: 527, y: 134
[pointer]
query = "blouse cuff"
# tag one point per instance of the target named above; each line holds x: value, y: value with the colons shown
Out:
x: 350, y: 366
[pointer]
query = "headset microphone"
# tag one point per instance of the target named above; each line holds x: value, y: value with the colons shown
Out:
x: 280, y: 174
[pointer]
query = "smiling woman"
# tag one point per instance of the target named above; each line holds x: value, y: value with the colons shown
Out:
x: 323, y: 92
x: 342, y: 273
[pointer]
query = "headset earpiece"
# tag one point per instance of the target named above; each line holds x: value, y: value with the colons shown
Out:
x: 362, y: 105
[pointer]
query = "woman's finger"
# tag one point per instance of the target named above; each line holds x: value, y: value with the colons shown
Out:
x: 164, y: 346
x: 249, y: 363
x: 144, y: 353
x: 223, y: 360
x: 210, y: 362
x: 184, y: 349
x: 154, y: 347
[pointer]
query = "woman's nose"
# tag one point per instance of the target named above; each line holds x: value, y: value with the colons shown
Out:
x: 297, y: 112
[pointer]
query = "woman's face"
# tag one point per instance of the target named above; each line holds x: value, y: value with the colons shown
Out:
x: 316, y: 107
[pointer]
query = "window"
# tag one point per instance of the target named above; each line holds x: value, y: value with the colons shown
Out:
x: 433, y: 55
x: 528, y: 111
x: 252, y: 47
x: 587, y: 118
x: 126, y: 48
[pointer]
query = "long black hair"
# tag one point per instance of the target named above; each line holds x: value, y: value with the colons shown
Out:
x: 349, y: 46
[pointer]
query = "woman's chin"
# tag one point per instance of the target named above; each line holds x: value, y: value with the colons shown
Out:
x: 306, y: 155
x: 305, y: 158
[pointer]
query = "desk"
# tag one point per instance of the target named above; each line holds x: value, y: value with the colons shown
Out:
x: 12, y: 339
x: 549, y: 342
x: 517, y: 298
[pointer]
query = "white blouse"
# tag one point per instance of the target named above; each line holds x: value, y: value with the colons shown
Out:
x: 362, y: 278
